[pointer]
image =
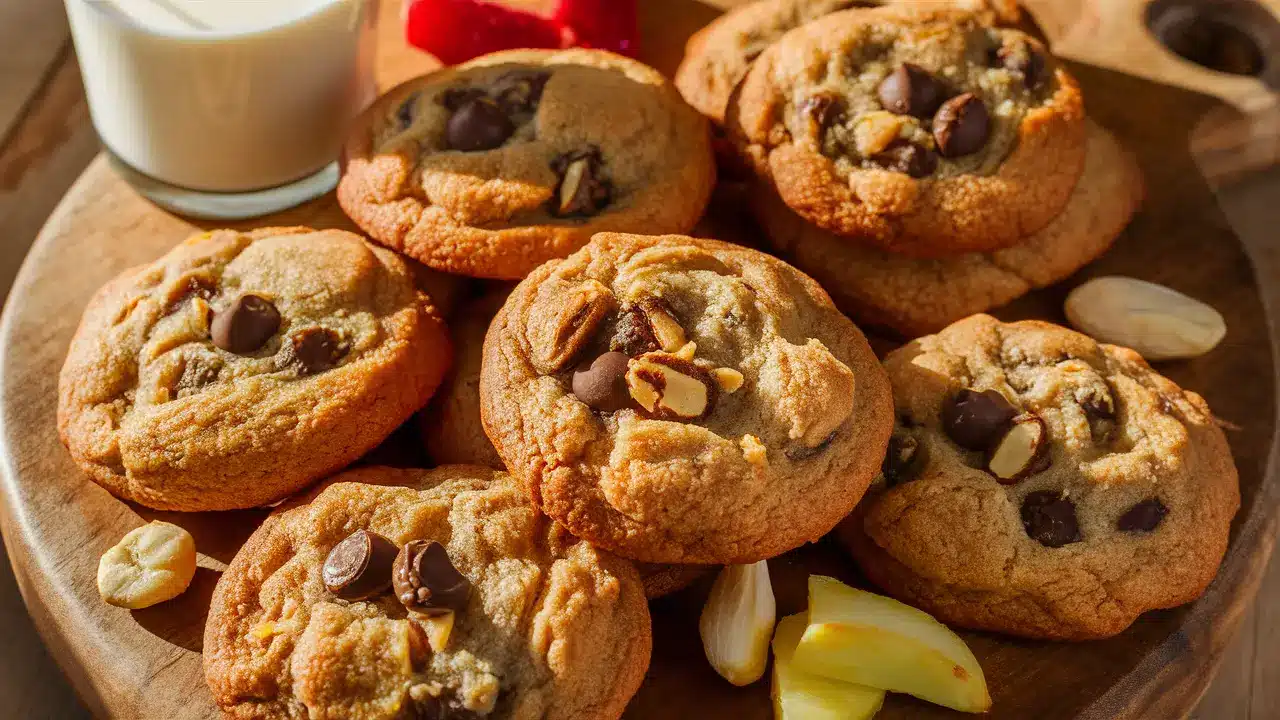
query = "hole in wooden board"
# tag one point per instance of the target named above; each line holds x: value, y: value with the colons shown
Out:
x: 1239, y: 37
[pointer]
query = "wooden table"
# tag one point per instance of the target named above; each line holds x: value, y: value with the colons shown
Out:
x: 46, y: 140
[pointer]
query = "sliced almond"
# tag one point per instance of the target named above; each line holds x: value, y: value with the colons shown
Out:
x: 666, y: 329
x: 737, y: 622
x: 667, y: 386
x: 573, y: 175
x: 727, y: 379
x: 1021, y: 451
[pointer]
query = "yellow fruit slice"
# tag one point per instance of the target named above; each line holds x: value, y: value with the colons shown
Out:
x: 799, y: 695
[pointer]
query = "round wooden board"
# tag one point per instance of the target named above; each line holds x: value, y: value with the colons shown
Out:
x: 146, y: 663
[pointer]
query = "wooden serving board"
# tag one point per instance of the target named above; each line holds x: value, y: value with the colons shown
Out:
x: 146, y: 663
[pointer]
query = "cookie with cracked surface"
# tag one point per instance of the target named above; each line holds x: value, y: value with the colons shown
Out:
x: 242, y: 367
x: 423, y: 593
x: 923, y: 133
x: 452, y: 431
x: 1042, y: 484
x: 680, y: 400
x: 493, y: 167
x: 914, y: 297
x: 716, y: 57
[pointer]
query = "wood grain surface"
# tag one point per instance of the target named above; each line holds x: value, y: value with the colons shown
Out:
x: 46, y: 140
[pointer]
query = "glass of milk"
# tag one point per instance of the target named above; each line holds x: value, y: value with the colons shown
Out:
x: 225, y: 109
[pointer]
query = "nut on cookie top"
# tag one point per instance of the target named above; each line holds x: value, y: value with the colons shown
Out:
x: 683, y: 400
x: 718, y: 56
x: 1043, y: 484
x: 492, y: 167
x: 397, y: 594
x: 241, y: 367
x: 926, y: 132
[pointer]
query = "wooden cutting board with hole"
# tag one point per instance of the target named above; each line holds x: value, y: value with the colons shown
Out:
x: 146, y: 663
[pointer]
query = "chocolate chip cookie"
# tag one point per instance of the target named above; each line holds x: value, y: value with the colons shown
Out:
x: 452, y: 431
x: 426, y: 594
x: 914, y: 296
x: 1042, y: 484
x: 241, y: 367
x: 924, y: 133
x: 492, y: 167
x: 680, y: 400
x: 717, y: 56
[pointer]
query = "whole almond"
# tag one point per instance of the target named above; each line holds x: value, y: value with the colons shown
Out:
x: 1158, y: 322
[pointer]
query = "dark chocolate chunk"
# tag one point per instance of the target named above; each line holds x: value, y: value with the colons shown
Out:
x: 961, y: 126
x: 454, y: 98
x: 478, y: 124
x: 974, y: 420
x: 359, y: 567
x: 406, y: 112
x: 822, y: 109
x: 1143, y: 517
x: 315, y: 350
x: 519, y: 91
x: 602, y: 384
x: 911, y: 90
x: 633, y: 333
x: 904, y: 459
x: 1050, y: 518
x: 425, y: 580
x: 906, y: 157
x: 245, y: 325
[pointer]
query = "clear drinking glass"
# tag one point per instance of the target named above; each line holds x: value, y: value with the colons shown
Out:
x: 225, y: 109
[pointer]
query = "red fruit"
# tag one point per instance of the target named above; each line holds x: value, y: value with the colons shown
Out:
x: 603, y: 24
x: 457, y: 30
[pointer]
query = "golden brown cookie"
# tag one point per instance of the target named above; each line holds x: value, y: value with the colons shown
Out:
x: 679, y: 400
x: 492, y: 167
x: 1042, y: 484
x: 915, y: 296
x: 717, y: 56
x: 518, y: 619
x: 452, y: 431
x: 924, y: 133
x: 242, y: 367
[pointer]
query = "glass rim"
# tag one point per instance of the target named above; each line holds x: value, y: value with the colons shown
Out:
x: 109, y: 12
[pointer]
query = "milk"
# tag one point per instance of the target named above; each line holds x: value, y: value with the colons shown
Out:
x: 224, y: 96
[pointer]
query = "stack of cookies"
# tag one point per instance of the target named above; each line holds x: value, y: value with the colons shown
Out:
x: 923, y: 164
x: 639, y: 408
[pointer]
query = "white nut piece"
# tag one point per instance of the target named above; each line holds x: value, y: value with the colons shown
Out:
x: 1020, y: 451
x: 149, y: 565
x: 666, y: 329
x: 737, y: 622
x: 668, y: 386
x: 1156, y: 321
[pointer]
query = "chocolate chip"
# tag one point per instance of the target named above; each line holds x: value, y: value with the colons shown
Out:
x: 911, y: 90
x: 454, y: 98
x: 904, y: 459
x: 1023, y: 59
x: 1143, y: 517
x: 974, y: 420
x: 961, y: 126
x: 315, y: 350
x: 478, y: 124
x: 519, y: 91
x: 633, y: 333
x: 1099, y: 409
x: 428, y: 707
x: 425, y: 579
x: 1049, y: 518
x: 602, y: 384
x: 405, y: 113
x: 582, y: 189
x: 906, y: 157
x: 823, y: 109
x: 245, y: 325
x: 359, y: 567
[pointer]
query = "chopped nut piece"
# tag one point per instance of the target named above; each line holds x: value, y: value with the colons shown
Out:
x: 753, y: 450
x: 728, y: 379
x: 737, y: 622
x: 438, y: 629
x: 666, y: 329
x: 1156, y: 321
x: 263, y: 630
x: 149, y: 565
x: 668, y: 386
x: 574, y: 326
x: 687, y: 351
x: 875, y: 130
x: 1021, y: 451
